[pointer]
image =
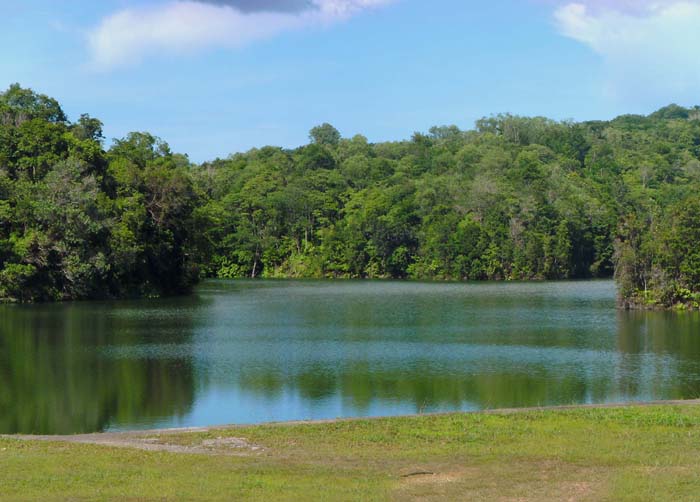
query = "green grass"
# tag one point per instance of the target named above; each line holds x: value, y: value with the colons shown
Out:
x: 634, y: 453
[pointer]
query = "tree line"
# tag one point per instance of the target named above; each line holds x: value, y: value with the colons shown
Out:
x: 515, y: 198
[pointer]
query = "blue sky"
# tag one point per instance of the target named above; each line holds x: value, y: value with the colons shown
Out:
x: 213, y: 77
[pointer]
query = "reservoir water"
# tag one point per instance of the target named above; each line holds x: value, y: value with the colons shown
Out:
x: 260, y: 351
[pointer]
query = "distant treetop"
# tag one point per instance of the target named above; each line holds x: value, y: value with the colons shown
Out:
x: 19, y: 105
x: 325, y: 134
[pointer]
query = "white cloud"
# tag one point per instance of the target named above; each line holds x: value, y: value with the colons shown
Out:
x: 130, y: 35
x: 648, y: 47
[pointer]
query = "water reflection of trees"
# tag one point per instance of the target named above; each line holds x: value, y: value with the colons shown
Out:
x: 336, y: 341
x: 661, y: 354
x: 57, y: 374
x: 360, y: 386
x: 641, y: 356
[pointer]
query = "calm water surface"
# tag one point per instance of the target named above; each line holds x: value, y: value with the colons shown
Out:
x: 245, y: 352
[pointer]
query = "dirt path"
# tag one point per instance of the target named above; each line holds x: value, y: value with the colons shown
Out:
x: 153, y: 441
x: 157, y: 440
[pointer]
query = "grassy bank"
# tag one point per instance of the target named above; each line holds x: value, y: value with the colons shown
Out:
x: 630, y: 453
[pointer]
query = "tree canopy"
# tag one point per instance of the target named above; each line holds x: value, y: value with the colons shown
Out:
x: 77, y: 221
x: 516, y: 198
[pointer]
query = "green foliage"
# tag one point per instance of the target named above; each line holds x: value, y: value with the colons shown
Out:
x: 448, y: 205
x: 19, y: 105
x: 325, y: 134
x: 78, y: 222
x: 515, y: 199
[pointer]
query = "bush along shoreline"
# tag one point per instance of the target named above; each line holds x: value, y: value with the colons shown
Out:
x: 514, y: 198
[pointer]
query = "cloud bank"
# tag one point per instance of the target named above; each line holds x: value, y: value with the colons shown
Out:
x: 130, y: 35
x: 647, y: 46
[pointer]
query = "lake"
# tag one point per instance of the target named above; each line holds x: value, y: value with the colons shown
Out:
x: 259, y: 351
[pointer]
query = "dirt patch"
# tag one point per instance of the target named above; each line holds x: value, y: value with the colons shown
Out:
x: 434, y: 478
x: 582, y: 490
x: 149, y: 442
x: 516, y: 482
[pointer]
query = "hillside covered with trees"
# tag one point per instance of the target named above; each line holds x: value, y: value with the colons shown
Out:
x: 513, y: 199
x: 80, y: 222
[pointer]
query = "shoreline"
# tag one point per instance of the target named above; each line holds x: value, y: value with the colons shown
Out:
x: 292, y: 423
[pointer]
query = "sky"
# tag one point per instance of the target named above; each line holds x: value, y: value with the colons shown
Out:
x: 214, y: 77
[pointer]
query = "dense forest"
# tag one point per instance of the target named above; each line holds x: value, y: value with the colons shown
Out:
x: 513, y: 199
